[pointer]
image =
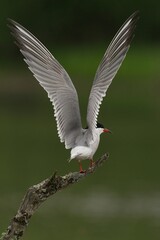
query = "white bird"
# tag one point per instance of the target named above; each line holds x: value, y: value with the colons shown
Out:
x: 83, y: 142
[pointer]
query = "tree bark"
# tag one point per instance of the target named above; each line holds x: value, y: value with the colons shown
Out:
x: 38, y: 193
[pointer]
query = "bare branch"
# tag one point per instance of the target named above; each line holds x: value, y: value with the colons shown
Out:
x: 38, y: 193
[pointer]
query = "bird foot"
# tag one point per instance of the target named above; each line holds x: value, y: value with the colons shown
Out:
x: 92, y: 163
x: 82, y: 171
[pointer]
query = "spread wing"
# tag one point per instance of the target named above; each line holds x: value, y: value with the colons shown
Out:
x: 108, y: 68
x: 54, y: 79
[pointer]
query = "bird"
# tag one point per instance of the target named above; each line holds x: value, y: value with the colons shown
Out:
x: 51, y: 75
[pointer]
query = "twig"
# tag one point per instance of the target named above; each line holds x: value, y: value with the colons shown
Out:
x: 38, y: 193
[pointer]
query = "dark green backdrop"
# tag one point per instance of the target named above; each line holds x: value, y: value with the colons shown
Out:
x: 122, y: 199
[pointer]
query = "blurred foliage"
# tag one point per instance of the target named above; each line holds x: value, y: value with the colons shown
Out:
x: 75, y: 21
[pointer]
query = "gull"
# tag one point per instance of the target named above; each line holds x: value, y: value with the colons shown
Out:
x: 83, y: 142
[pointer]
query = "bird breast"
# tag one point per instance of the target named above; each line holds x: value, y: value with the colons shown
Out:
x: 85, y: 149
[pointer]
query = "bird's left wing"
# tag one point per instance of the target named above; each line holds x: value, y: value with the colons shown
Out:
x: 54, y: 79
x: 108, y: 68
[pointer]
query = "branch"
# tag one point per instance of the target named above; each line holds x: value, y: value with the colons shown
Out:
x: 38, y: 193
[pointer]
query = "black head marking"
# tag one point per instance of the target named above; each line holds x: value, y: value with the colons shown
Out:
x: 99, y: 125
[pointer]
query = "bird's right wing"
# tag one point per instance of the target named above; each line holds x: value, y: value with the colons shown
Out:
x: 54, y: 79
x: 108, y: 68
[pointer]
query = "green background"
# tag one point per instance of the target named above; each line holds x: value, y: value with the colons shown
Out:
x: 122, y: 199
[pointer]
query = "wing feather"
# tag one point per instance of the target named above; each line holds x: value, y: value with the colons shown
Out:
x: 108, y: 68
x: 54, y: 79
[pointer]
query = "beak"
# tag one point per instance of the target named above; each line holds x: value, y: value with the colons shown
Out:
x: 106, y: 130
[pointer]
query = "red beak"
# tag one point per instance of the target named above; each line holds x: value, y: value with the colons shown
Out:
x: 106, y: 130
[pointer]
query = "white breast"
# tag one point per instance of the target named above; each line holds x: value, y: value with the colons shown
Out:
x: 86, y: 151
x: 81, y: 153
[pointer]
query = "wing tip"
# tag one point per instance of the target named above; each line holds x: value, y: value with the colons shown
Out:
x: 12, y: 25
x: 127, y: 28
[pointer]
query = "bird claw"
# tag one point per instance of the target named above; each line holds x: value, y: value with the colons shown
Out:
x: 82, y: 171
x: 92, y: 163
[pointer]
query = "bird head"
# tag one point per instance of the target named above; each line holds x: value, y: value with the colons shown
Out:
x: 101, y: 126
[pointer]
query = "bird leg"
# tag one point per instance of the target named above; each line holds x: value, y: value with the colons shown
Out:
x: 91, y: 163
x: 80, y: 168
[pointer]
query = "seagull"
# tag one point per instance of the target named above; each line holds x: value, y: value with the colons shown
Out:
x: 83, y: 142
